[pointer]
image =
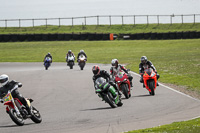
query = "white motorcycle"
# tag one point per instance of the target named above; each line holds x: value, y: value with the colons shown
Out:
x: 70, y: 61
x: 82, y: 61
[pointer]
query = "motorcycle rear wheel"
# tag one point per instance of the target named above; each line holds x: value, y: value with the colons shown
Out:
x: 36, y: 117
x: 17, y: 119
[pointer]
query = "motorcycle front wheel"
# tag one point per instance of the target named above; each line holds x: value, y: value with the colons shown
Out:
x: 152, y: 86
x: 17, y: 119
x: 36, y: 117
x: 125, y: 90
x: 109, y: 100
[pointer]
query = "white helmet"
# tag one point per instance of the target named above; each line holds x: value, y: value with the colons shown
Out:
x: 4, y: 79
x: 81, y: 50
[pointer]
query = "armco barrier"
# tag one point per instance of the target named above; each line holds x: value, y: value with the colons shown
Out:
x: 159, y: 36
x: 30, y: 37
x: 6, y: 38
x: 153, y: 36
x: 91, y: 37
x: 192, y: 35
x: 22, y: 37
x: 38, y: 37
x: 99, y: 37
x: 83, y: 36
x: 96, y: 36
x: 1, y: 38
x: 68, y: 37
x: 147, y: 35
x: 179, y: 35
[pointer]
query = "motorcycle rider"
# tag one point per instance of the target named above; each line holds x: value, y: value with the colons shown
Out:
x: 48, y: 55
x: 116, y: 68
x: 144, y: 62
x: 81, y: 53
x: 7, y: 85
x: 70, y: 53
x: 103, y: 73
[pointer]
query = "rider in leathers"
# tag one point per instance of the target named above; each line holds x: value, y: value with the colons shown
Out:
x: 81, y: 53
x: 103, y: 73
x: 117, y: 68
x: 9, y: 85
x: 144, y: 61
x: 48, y: 55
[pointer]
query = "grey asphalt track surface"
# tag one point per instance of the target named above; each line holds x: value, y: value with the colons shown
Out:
x: 68, y: 104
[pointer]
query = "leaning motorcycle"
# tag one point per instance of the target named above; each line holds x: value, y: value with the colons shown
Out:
x: 107, y: 93
x: 47, y: 62
x: 17, y: 111
x: 70, y: 61
x: 123, y: 84
x: 81, y: 61
x: 150, y: 80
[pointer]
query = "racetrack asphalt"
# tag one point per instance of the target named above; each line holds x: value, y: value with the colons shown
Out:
x: 68, y: 104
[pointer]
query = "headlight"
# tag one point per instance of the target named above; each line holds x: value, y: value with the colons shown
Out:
x: 124, y: 80
x: 153, y: 74
x: 118, y: 81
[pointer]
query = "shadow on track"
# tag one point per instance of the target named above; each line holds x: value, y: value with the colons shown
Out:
x: 143, y: 95
x: 9, y: 126
x: 97, y: 109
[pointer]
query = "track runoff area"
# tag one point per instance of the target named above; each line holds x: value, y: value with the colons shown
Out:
x: 67, y: 102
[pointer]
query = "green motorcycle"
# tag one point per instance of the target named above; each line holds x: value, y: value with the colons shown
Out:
x: 107, y: 93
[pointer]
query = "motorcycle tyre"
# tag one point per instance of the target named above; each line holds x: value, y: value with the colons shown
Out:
x: 34, y: 118
x: 125, y: 90
x: 109, y: 101
x: 13, y: 117
x: 71, y: 65
x: 151, y: 86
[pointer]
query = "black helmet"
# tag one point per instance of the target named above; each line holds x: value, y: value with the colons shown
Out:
x: 143, y: 59
x: 95, y: 70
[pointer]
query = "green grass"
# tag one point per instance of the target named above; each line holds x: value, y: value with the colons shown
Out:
x: 192, y: 126
x: 177, y: 61
x: 139, y: 28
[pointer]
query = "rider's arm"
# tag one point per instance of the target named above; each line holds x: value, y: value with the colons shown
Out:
x: 140, y: 69
x: 106, y: 74
x: 151, y: 65
x: 124, y: 69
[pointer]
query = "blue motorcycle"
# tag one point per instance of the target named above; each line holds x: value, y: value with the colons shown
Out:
x: 47, y: 63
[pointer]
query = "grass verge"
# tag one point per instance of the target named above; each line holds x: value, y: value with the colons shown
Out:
x: 191, y: 126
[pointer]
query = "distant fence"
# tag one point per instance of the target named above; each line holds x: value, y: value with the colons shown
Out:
x: 98, y: 36
x: 102, y: 20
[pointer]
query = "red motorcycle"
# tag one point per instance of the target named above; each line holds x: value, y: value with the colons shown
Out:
x: 123, y: 84
x: 150, y: 80
x: 17, y: 111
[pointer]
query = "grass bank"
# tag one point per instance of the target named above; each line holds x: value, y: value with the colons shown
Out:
x: 138, y: 28
x: 192, y: 126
